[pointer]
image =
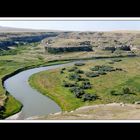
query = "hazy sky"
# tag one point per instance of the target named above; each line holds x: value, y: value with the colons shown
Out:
x: 75, y: 25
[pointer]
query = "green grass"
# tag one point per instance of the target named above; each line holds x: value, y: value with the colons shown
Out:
x: 24, y: 57
x: 12, y: 106
x: 33, y: 55
x: 50, y: 84
x: 9, y: 64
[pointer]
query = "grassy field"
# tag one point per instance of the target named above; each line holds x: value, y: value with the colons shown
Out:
x: 50, y: 83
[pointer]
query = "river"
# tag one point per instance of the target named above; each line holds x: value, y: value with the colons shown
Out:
x: 34, y: 103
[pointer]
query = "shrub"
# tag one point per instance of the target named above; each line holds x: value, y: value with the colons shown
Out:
x: 72, y: 69
x: 76, y: 77
x: 73, y: 76
x: 89, y: 97
x: 110, y: 49
x: 63, y: 68
x: 111, y: 62
x: 67, y: 84
x: 77, y: 91
x: 113, y: 92
x: 100, y: 72
x: 119, y: 69
x: 95, y: 69
x: 79, y: 64
x: 126, y: 90
x: 102, y: 68
x: 61, y: 71
x: 85, y: 85
x: 116, y: 60
x: 92, y: 74
x: 85, y: 79
x: 106, y: 68
x: 79, y: 71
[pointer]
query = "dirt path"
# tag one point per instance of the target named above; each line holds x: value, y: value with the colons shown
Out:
x: 114, y: 111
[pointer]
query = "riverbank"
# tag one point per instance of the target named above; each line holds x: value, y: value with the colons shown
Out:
x: 15, y: 116
x: 49, y: 83
x: 54, y: 62
x: 12, y: 106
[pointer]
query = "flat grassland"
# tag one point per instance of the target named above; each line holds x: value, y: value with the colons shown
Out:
x: 50, y: 83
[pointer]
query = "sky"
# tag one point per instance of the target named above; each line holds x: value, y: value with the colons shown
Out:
x: 75, y: 25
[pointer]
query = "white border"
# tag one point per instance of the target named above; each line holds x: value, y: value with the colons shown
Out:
x: 69, y: 19
x: 70, y: 121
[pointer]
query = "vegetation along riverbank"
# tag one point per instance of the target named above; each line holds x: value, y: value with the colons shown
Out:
x: 93, y: 82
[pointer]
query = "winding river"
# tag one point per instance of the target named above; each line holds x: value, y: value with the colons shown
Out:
x: 34, y: 103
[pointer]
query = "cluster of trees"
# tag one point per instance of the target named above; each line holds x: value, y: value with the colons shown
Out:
x: 119, y: 47
x: 77, y: 84
x: 92, y: 74
x: 101, y: 70
x: 55, y: 50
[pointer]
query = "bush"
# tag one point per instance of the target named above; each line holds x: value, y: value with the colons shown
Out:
x: 85, y: 85
x: 63, y: 68
x: 72, y: 69
x: 119, y: 69
x: 100, y: 72
x: 77, y: 91
x: 79, y: 64
x: 123, y: 92
x: 102, y: 68
x: 126, y: 90
x: 76, y: 77
x: 106, y: 68
x: 79, y: 71
x: 85, y: 79
x: 61, y: 71
x: 111, y: 62
x: 67, y: 84
x: 89, y: 97
x: 113, y: 92
x: 95, y: 68
x: 92, y: 74
x: 116, y: 60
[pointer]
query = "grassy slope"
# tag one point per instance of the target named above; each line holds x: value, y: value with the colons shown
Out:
x: 12, y: 106
x: 10, y: 63
x: 26, y: 56
x: 49, y: 83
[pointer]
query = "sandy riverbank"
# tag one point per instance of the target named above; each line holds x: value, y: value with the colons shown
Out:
x: 16, y: 116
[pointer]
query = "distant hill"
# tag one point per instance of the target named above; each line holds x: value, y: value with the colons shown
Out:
x: 13, y: 29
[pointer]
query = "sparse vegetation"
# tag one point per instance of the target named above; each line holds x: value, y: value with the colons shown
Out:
x: 114, y: 86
